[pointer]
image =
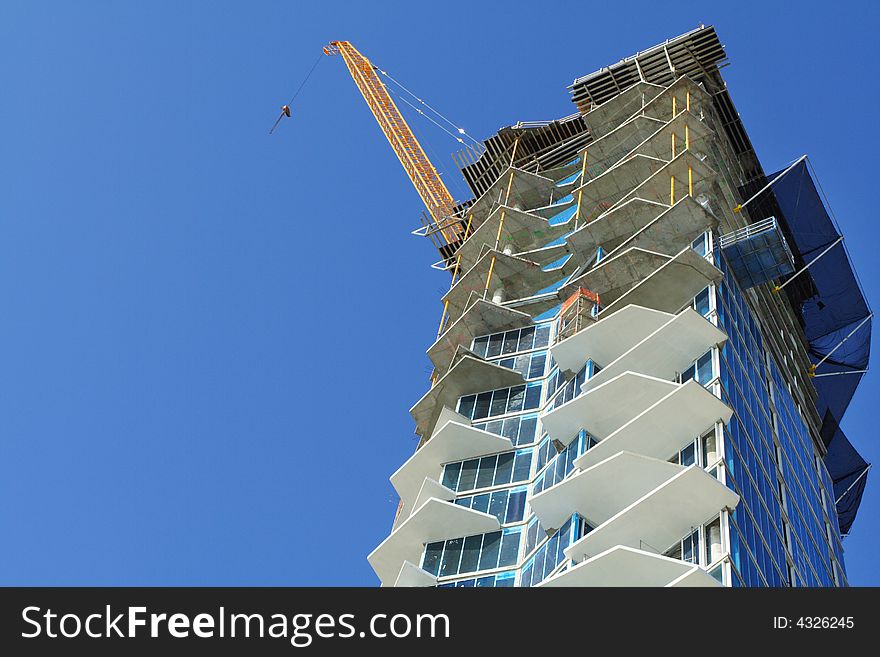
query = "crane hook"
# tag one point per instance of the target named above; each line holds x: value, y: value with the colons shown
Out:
x: 285, y: 111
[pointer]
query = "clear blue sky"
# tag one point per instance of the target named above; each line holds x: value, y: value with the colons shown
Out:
x: 210, y: 337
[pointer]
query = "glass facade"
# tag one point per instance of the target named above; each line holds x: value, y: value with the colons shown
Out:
x: 784, y: 530
x: 498, y: 484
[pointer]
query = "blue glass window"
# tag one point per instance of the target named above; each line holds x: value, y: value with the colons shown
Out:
x: 701, y: 302
x: 496, y: 470
x: 472, y: 553
x: 500, y: 402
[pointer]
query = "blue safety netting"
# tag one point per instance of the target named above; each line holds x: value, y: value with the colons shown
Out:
x: 848, y: 472
x: 835, y: 306
x: 832, y: 307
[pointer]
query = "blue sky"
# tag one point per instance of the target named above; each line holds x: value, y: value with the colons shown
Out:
x: 210, y: 337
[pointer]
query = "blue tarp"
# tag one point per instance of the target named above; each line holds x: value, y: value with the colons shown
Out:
x: 848, y: 472
x: 832, y: 306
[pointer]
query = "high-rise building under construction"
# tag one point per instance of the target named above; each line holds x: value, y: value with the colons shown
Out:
x: 643, y: 358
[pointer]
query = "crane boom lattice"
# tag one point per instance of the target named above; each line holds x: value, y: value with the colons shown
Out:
x: 424, y: 176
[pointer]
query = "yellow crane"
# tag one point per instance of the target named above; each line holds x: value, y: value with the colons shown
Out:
x: 412, y: 156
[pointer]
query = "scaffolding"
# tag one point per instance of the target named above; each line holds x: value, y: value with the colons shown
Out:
x: 578, y: 312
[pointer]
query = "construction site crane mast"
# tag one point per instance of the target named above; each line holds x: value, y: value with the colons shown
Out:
x: 412, y: 156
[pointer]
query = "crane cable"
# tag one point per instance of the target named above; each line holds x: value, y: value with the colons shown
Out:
x: 443, y: 128
x: 285, y: 109
x: 427, y: 146
x: 459, y: 130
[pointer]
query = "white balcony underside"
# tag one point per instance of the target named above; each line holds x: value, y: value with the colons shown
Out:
x: 664, y: 428
x: 674, y: 229
x: 618, y: 181
x: 660, y: 104
x: 616, y: 275
x: 553, y: 209
x: 527, y: 190
x: 433, y: 489
x: 517, y: 276
x: 603, y: 118
x: 481, y: 317
x: 609, y: 149
x: 658, y: 186
x: 625, y: 566
x: 547, y: 255
x: 608, y: 338
x: 435, y: 520
x: 469, y: 375
x: 536, y: 304
x: 671, y: 286
x: 661, y: 517
x: 411, y: 576
x: 669, y: 350
x: 603, y: 490
x: 611, y: 228
x: 600, y: 410
x: 522, y: 231
x: 688, y: 130
x: 453, y: 441
x: 696, y: 578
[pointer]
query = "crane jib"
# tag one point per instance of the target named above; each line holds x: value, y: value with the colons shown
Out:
x: 422, y: 173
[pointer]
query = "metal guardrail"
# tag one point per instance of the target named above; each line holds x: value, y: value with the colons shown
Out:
x: 749, y: 231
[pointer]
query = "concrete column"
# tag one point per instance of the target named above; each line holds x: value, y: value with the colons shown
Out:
x: 508, y: 250
x: 498, y: 296
x: 713, y: 537
x: 710, y: 448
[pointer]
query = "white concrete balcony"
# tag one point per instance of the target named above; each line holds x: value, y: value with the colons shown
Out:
x: 455, y: 440
x: 537, y: 303
x: 660, y: 104
x: 618, y: 182
x: 604, y: 118
x: 672, y: 285
x: 612, y: 147
x: 686, y: 126
x: 603, y: 490
x: 608, y: 338
x: 469, y: 375
x: 669, y: 350
x: 674, y: 229
x: 522, y: 231
x: 684, y: 167
x: 516, y: 276
x: 435, y: 520
x: 547, y: 255
x: 613, y: 226
x: 411, y: 576
x: 482, y: 317
x: 696, y: 578
x: 600, y: 410
x: 649, y: 225
x: 617, y: 274
x: 664, y: 428
x: 432, y: 489
x: 659, y: 518
x: 563, y: 171
x: 625, y: 566
x: 554, y: 208
x: 527, y: 191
